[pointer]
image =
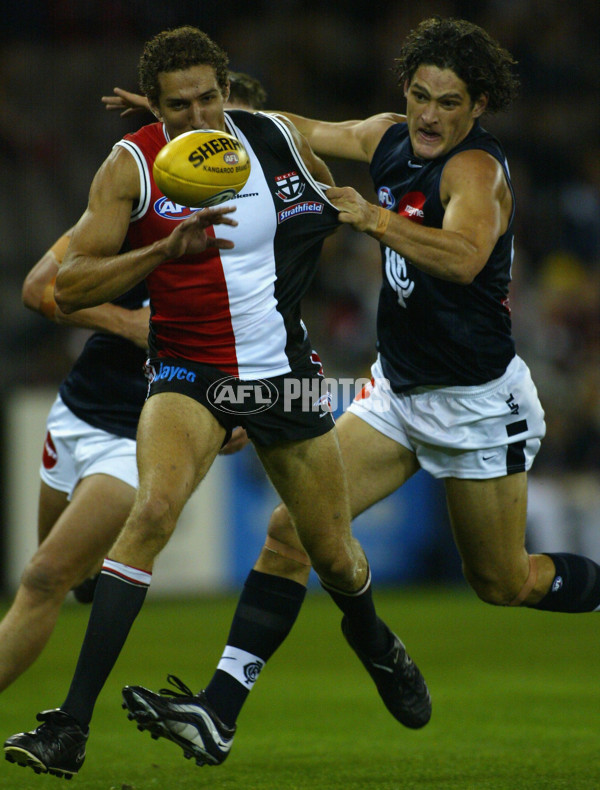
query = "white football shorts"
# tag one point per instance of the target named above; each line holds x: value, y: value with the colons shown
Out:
x: 477, y: 432
x: 73, y: 449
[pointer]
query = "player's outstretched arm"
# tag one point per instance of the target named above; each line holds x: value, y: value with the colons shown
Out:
x: 126, y: 102
x: 38, y: 295
x: 477, y: 202
x: 316, y: 166
x: 346, y: 139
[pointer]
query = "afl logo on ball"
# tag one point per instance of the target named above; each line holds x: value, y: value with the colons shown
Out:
x: 167, y: 209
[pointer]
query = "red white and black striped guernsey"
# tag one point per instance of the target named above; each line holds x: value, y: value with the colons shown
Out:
x: 239, y: 309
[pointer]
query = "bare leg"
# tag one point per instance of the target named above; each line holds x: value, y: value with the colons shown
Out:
x: 488, y: 519
x: 177, y: 442
x: 316, y: 522
x: 310, y: 478
x: 375, y: 466
x: 75, y: 544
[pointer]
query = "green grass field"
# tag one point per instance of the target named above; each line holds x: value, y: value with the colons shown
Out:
x: 516, y: 699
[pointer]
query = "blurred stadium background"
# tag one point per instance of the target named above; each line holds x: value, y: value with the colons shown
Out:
x: 329, y: 60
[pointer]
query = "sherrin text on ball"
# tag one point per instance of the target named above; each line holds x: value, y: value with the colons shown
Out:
x: 201, y: 168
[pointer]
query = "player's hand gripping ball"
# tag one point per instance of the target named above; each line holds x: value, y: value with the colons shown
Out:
x: 201, y: 168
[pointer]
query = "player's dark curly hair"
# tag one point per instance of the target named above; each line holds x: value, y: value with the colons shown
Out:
x: 177, y: 49
x: 472, y: 54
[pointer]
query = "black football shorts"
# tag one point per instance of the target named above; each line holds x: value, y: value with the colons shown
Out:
x: 286, y: 408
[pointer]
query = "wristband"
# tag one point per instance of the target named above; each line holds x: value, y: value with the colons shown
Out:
x: 48, y: 305
x: 383, y: 220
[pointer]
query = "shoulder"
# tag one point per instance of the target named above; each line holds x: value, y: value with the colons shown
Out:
x: 150, y: 132
x: 274, y: 120
x: 474, y: 172
x: 118, y: 175
x: 383, y: 120
x: 261, y: 127
x: 473, y: 163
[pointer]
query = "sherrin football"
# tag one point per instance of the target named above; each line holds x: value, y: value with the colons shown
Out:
x: 201, y: 168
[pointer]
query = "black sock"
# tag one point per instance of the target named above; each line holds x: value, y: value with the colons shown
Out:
x: 575, y: 587
x: 368, y: 633
x: 117, y: 600
x: 265, y: 614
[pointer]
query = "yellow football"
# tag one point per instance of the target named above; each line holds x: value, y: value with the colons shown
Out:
x: 201, y: 168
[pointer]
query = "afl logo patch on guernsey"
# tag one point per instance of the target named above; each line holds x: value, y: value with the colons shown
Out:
x: 167, y: 209
x: 411, y: 206
x: 386, y: 198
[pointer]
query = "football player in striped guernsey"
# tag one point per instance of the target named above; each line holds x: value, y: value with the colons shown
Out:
x: 86, y: 496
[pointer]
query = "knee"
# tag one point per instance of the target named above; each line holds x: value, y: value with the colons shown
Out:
x: 340, y: 575
x: 494, y: 587
x: 345, y: 568
x: 335, y: 559
x: 46, y: 577
x: 152, y: 520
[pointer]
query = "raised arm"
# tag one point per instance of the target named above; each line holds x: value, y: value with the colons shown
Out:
x: 126, y: 102
x: 347, y: 139
x: 477, y: 202
x: 93, y: 271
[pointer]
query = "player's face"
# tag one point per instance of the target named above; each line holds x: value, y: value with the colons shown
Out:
x: 439, y: 111
x: 189, y: 100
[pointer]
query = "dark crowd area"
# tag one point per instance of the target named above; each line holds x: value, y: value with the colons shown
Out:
x: 331, y: 60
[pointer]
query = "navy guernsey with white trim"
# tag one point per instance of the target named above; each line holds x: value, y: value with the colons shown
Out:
x: 431, y: 331
x: 106, y: 386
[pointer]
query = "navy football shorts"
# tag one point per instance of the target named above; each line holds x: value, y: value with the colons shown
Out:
x: 286, y: 408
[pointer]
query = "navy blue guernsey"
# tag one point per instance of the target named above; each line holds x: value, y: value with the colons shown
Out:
x: 106, y: 386
x: 431, y: 331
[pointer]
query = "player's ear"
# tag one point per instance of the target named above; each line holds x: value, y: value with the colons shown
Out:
x: 225, y: 93
x: 155, y: 111
x: 480, y: 104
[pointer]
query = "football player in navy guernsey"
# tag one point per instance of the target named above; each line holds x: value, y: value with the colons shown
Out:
x: 88, y: 470
x: 220, y: 309
x: 448, y: 392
